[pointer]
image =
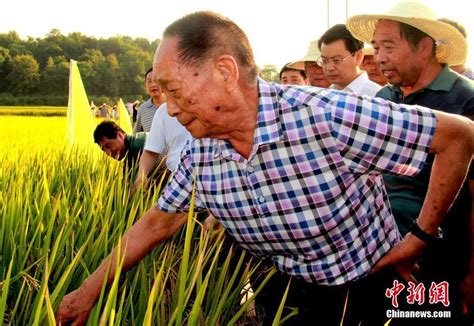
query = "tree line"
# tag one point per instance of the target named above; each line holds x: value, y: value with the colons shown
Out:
x: 35, y: 71
x: 39, y: 67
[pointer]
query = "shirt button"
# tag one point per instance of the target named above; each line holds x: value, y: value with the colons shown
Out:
x: 249, y: 169
x: 261, y: 199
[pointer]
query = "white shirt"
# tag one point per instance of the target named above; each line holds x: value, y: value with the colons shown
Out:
x: 167, y: 134
x: 362, y: 85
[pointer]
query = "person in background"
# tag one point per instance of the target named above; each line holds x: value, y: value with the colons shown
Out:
x: 117, y: 144
x: 460, y: 68
x: 294, y: 174
x: 135, y: 107
x: 341, y: 57
x: 370, y: 66
x: 292, y: 76
x: 104, y: 111
x: 147, y: 110
x: 167, y: 137
x: 308, y: 63
x: 414, y: 51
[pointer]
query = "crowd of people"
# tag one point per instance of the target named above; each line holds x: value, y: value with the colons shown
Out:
x: 351, y: 177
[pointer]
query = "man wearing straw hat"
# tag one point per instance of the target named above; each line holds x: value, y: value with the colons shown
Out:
x: 309, y: 64
x: 372, y: 68
x: 410, y: 45
x: 294, y: 174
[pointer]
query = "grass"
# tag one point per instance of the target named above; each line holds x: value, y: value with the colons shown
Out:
x: 62, y: 212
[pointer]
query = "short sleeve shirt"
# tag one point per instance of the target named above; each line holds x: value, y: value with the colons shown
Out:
x: 167, y: 135
x: 310, y: 196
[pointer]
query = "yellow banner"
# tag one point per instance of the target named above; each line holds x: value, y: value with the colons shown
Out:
x: 124, y: 118
x: 80, y: 121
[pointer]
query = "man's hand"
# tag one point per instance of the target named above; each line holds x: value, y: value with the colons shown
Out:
x: 74, y: 308
x: 402, y: 257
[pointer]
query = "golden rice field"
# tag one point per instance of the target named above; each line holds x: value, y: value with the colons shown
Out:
x: 61, y: 213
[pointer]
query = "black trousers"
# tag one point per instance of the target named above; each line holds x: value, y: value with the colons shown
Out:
x: 356, y: 303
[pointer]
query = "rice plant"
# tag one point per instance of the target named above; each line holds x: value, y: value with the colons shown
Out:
x: 62, y: 211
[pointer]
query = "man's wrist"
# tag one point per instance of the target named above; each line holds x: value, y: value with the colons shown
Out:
x: 424, y: 236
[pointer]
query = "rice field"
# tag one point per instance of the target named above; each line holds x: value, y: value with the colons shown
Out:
x: 62, y: 210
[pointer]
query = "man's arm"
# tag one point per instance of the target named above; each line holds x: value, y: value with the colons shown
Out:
x: 148, y: 162
x: 154, y: 227
x: 453, y: 145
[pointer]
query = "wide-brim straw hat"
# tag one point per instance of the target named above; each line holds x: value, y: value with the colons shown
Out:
x: 451, y: 46
x: 313, y: 54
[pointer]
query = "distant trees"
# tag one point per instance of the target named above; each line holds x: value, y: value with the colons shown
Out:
x: 269, y: 73
x: 111, y: 67
x: 36, y: 70
x: 23, y: 76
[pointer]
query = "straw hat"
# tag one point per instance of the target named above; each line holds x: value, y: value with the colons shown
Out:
x: 451, y: 47
x: 313, y: 54
x: 368, y: 51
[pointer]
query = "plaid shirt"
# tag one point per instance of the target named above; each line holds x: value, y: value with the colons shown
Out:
x: 310, y: 196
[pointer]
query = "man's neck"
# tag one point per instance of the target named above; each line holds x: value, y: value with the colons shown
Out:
x: 242, y: 137
x: 426, y: 77
x: 157, y: 101
x: 341, y: 87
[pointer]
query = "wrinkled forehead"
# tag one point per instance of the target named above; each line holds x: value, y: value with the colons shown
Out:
x: 166, y: 62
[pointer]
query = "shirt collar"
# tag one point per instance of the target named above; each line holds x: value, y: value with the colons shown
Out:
x: 357, y: 85
x: 267, y: 129
x: 443, y: 82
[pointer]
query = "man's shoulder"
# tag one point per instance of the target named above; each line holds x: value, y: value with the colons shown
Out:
x: 386, y: 92
x: 138, y: 140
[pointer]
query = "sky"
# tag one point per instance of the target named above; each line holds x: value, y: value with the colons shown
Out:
x: 279, y: 30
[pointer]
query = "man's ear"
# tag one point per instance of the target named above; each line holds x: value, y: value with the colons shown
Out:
x: 359, y: 57
x: 120, y: 135
x: 426, y: 46
x: 228, y: 71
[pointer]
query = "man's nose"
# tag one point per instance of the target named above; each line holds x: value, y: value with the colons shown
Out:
x: 173, y: 109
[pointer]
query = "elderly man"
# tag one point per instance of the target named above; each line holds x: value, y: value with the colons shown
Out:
x: 308, y: 63
x: 293, y: 174
x: 117, y: 144
x: 410, y: 45
x: 341, y: 57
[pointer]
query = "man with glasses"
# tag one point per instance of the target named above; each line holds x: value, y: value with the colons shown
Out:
x: 341, y: 57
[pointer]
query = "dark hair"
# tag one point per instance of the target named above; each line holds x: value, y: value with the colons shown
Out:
x: 340, y: 32
x: 204, y: 35
x: 286, y: 68
x: 414, y: 36
x: 147, y: 72
x: 455, y: 24
x: 107, y: 129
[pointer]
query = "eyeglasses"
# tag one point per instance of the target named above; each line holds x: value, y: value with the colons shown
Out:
x: 323, y: 62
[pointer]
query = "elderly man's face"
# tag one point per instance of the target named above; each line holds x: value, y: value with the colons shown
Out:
x: 373, y: 71
x: 195, y: 95
x: 115, y: 148
x: 398, y: 61
x: 316, y: 75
